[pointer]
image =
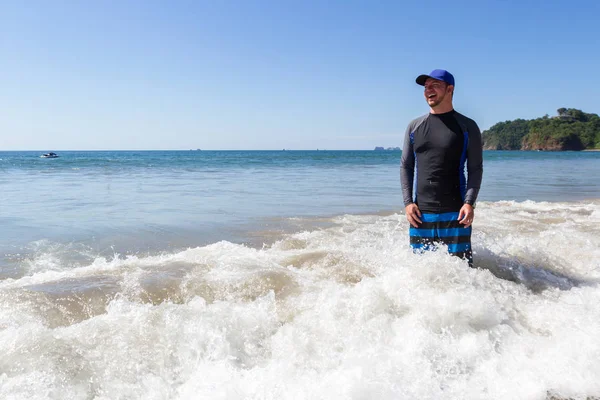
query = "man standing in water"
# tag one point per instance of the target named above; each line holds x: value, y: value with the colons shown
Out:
x: 438, y: 197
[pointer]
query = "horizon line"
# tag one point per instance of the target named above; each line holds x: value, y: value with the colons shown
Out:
x: 395, y: 148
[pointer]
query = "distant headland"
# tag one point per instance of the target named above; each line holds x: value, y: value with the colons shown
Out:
x: 571, y: 129
x: 387, y: 148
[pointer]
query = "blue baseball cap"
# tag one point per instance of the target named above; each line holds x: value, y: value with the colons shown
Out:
x: 439, y: 74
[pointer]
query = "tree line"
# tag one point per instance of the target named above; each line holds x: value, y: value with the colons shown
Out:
x: 571, y: 129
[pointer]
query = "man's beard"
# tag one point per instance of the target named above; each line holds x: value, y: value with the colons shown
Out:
x: 438, y: 100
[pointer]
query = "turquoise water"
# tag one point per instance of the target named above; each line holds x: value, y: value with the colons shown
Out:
x: 155, y: 200
x: 288, y: 275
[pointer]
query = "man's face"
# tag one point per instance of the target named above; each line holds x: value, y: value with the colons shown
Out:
x: 436, y: 91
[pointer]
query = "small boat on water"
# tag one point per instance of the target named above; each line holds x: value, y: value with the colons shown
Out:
x: 49, y: 155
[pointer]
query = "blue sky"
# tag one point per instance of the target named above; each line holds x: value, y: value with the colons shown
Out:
x: 280, y: 74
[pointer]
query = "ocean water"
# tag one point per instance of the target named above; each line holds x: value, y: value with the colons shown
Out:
x: 288, y: 275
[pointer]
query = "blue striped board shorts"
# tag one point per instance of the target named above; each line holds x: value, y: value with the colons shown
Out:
x: 442, y: 229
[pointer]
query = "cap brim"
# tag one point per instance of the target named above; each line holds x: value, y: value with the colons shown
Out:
x: 421, y: 79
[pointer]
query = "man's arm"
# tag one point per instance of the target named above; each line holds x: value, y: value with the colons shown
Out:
x: 474, y: 164
x: 407, y: 176
x: 407, y: 168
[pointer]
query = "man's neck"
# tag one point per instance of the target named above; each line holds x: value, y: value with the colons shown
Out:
x: 441, y: 109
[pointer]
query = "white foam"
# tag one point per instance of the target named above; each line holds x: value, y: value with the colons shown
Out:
x: 338, y: 313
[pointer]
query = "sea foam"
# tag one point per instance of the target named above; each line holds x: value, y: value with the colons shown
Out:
x: 343, y: 312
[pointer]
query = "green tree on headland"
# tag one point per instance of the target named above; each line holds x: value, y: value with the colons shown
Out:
x: 571, y: 129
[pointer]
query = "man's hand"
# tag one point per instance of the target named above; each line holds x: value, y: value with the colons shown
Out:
x: 466, y: 215
x: 413, y: 215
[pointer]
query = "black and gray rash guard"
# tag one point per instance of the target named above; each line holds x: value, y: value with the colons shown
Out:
x: 436, y: 149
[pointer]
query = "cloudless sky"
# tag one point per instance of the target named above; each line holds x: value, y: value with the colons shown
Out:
x: 220, y: 74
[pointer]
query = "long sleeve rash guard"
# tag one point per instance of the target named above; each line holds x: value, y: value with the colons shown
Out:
x: 436, y: 150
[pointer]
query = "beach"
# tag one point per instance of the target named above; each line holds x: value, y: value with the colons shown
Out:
x: 288, y: 275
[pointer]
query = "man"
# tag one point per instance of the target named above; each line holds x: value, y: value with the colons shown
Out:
x: 439, y: 199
